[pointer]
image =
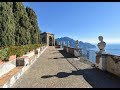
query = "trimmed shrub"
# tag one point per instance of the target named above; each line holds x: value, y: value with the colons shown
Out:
x: 4, y: 54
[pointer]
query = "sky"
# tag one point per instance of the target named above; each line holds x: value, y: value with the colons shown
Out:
x: 83, y: 21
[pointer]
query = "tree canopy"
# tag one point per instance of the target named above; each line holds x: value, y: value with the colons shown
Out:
x: 18, y: 25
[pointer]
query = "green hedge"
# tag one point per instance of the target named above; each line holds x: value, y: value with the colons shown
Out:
x: 17, y: 50
x: 4, y: 54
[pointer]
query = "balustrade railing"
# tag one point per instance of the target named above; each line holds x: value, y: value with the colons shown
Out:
x: 88, y: 55
x: 108, y: 60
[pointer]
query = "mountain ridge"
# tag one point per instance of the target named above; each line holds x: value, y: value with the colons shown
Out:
x: 84, y: 45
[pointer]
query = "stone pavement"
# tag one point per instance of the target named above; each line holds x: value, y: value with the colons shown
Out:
x: 56, y: 69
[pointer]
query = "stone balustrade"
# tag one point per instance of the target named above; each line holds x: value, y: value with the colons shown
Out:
x: 73, y: 51
x: 28, y: 58
x: 107, y: 62
x: 25, y: 60
x: 111, y: 63
x: 7, y: 66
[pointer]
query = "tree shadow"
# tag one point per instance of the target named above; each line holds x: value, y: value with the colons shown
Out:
x: 95, y: 77
x: 57, y: 58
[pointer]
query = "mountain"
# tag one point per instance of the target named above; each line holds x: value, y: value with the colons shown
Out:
x: 72, y: 43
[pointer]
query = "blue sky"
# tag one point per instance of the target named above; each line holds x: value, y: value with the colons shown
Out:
x: 83, y: 21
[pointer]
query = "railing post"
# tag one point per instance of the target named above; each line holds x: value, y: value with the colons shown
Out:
x: 68, y: 45
x: 64, y: 45
x: 61, y: 44
x: 88, y: 54
x: 76, y: 50
x: 101, y: 61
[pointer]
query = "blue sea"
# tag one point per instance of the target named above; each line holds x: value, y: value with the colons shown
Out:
x: 113, y: 49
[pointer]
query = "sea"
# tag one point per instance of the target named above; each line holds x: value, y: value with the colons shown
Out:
x: 113, y: 49
x: 110, y: 48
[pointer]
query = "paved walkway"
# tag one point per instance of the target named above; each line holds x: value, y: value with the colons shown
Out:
x: 56, y: 69
x: 50, y: 71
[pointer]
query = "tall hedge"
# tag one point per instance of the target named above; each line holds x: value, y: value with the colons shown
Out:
x: 22, y: 24
x: 7, y: 26
x: 18, y: 25
x: 35, y: 33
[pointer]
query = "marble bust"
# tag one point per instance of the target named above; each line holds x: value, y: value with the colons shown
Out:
x: 101, y: 45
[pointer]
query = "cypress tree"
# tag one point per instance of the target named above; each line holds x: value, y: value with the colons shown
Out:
x: 22, y: 24
x: 7, y: 26
x: 35, y: 33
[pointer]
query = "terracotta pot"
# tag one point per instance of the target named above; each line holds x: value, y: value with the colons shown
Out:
x: 32, y: 51
x: 12, y: 57
x: 36, y: 51
x: 1, y: 62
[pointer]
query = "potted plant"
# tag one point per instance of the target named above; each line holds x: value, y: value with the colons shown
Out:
x: 1, y: 62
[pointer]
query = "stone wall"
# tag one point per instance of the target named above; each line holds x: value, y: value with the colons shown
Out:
x: 110, y: 63
x: 113, y: 64
x: 65, y: 48
x: 71, y: 51
x: 57, y: 46
x: 7, y: 66
x: 12, y: 64
x: 107, y: 62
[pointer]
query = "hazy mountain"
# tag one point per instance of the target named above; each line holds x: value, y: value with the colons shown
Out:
x: 72, y: 43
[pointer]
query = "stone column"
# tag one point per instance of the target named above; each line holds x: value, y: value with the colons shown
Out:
x: 63, y: 43
x: 88, y: 52
x: 47, y: 40
x: 54, y: 41
x: 77, y: 46
x: 59, y: 43
x: 68, y: 45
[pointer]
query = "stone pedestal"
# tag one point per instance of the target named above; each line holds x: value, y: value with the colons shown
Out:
x: 67, y: 49
x: 76, y: 53
x: 22, y: 61
x: 101, y: 61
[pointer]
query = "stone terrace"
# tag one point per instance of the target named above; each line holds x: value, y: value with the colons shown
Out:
x: 57, y: 69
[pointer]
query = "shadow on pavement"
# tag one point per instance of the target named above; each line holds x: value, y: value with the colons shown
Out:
x: 95, y: 77
x: 66, y: 55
